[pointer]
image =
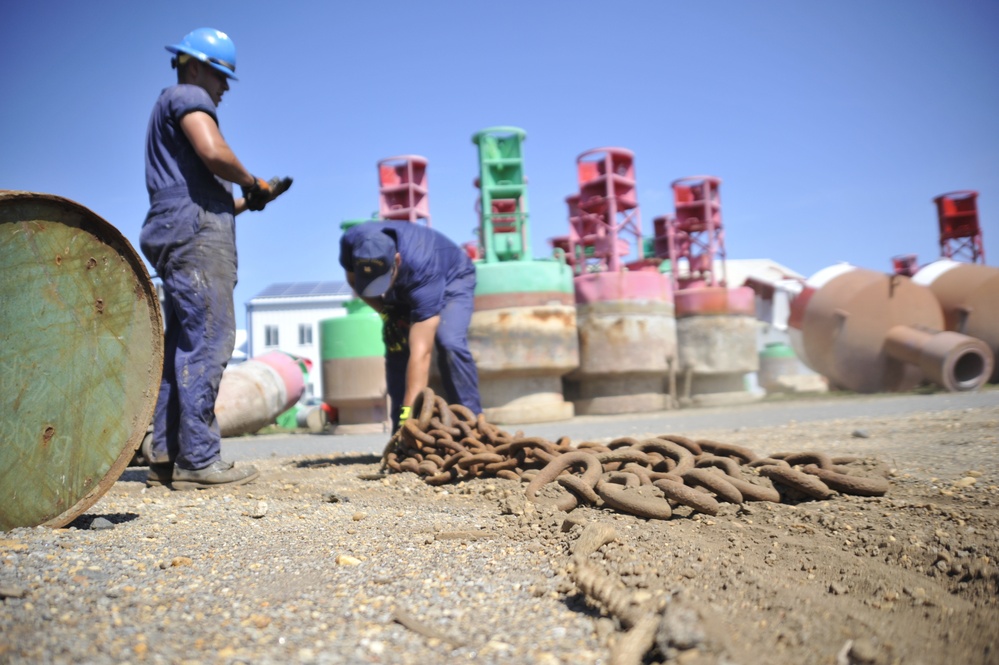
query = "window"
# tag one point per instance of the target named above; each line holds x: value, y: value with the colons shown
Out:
x: 305, y: 334
x: 270, y: 335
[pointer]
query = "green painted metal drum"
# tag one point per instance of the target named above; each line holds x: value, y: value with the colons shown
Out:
x: 353, y: 358
x: 523, y: 283
x: 356, y: 335
x: 81, y: 358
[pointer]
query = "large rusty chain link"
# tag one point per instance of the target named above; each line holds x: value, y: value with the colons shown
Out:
x: 648, y: 478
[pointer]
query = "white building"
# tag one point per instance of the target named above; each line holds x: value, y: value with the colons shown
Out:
x: 775, y: 286
x: 285, y: 317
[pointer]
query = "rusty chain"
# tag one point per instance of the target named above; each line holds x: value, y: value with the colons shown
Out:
x: 648, y: 478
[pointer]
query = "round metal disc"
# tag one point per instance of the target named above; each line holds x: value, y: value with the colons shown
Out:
x: 80, y: 361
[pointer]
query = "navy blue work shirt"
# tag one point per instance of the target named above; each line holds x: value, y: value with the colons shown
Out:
x: 172, y: 166
x: 430, y: 262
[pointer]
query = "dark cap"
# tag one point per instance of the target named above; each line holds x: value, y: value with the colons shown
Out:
x: 374, y: 264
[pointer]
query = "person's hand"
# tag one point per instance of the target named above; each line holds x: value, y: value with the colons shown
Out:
x: 257, y: 195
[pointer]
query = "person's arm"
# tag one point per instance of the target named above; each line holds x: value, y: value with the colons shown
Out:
x: 208, y: 143
x: 421, y: 345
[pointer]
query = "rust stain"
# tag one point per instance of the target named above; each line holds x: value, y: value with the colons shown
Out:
x: 58, y: 260
x: 563, y: 317
x: 99, y: 305
x: 91, y: 263
x: 47, y: 434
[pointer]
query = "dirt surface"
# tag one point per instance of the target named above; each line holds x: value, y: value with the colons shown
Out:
x: 312, y: 563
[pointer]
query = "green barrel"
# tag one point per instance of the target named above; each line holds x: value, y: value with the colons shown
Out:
x: 356, y: 335
x: 81, y: 359
x: 353, y: 357
x: 777, y: 351
x: 523, y: 283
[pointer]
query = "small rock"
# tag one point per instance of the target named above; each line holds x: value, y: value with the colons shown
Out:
x: 862, y: 652
x: 258, y: 511
x: 860, y: 434
x: 100, y: 524
x: 347, y: 560
x: 357, y: 517
x: 967, y: 481
x: 12, y: 592
x: 837, y: 589
x: 680, y: 628
x: 179, y: 561
x: 333, y: 497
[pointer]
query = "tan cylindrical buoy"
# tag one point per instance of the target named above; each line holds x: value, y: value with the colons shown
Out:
x: 716, y: 330
x: 254, y: 393
x: 969, y: 296
x: 627, y: 343
x: 870, y: 332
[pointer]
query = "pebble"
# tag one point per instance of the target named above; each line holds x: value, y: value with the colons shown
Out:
x: 101, y: 523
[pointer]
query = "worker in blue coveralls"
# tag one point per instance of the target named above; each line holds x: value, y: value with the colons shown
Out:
x: 423, y: 285
x: 189, y: 237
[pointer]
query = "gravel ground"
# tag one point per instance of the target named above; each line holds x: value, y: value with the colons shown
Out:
x: 312, y: 563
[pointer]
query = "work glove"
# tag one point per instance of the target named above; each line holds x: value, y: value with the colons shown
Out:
x: 404, y: 415
x: 257, y: 195
x: 279, y: 186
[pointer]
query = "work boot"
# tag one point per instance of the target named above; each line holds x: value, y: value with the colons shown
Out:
x: 160, y: 474
x: 216, y: 474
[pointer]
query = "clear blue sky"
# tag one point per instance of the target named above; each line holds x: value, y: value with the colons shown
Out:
x: 832, y: 124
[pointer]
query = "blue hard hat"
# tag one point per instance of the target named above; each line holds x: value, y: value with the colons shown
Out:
x: 210, y: 46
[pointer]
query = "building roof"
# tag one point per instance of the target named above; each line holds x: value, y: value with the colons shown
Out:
x: 286, y: 290
x: 739, y: 270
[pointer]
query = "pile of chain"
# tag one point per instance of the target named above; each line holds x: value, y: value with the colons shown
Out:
x: 647, y: 478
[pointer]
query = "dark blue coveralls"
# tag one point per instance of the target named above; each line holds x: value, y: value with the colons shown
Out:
x: 189, y: 238
x: 436, y: 277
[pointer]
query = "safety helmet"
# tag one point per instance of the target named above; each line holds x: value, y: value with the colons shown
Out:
x: 210, y: 46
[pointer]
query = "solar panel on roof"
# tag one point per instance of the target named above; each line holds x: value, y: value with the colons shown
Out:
x: 304, y: 289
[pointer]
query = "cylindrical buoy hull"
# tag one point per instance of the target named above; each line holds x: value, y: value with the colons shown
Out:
x: 781, y: 371
x: 312, y: 418
x: 521, y: 354
x: 254, y: 393
x: 353, y: 358
x: 840, y: 326
x: 716, y: 332
x: 969, y: 296
x: 523, y: 338
x: 82, y: 358
x: 627, y: 343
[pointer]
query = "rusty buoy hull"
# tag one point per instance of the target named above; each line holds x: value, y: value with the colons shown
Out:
x: 82, y: 357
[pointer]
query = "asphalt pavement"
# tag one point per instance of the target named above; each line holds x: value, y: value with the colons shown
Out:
x: 767, y: 413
